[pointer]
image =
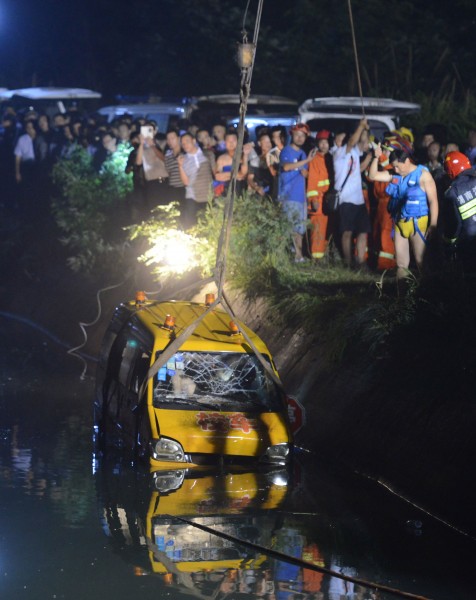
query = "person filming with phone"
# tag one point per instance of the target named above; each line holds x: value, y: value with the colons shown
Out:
x: 152, y: 159
x: 354, y: 219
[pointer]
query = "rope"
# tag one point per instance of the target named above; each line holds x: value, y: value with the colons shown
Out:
x: 390, y: 488
x: 245, y: 87
x: 300, y: 562
x: 354, y: 43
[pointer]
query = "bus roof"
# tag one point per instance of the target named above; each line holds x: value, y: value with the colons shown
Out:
x: 213, y: 334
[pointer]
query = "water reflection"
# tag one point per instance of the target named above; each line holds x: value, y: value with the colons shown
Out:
x: 60, y: 473
x: 208, y: 534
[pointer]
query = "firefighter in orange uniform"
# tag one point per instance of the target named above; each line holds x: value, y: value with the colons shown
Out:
x: 383, y: 224
x: 318, y: 182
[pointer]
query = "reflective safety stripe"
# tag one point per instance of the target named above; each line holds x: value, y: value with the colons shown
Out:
x: 468, y: 210
x: 449, y: 240
x: 312, y: 193
x: 383, y: 254
x: 318, y: 254
x: 323, y: 182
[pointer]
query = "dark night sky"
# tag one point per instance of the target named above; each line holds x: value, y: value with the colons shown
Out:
x: 180, y: 47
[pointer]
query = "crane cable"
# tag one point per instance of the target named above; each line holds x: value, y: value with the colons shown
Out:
x: 356, y: 56
x: 245, y: 86
x: 219, y: 274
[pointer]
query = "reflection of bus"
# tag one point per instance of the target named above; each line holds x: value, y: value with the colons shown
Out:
x: 225, y: 504
x: 152, y: 526
x: 212, y: 401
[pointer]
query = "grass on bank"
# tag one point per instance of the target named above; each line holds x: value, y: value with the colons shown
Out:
x: 344, y: 307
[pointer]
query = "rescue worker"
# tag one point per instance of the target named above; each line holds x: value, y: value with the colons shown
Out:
x: 383, y: 225
x: 320, y: 169
x: 462, y: 196
x: 413, y: 204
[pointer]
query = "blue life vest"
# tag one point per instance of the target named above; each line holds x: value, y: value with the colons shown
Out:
x: 407, y: 199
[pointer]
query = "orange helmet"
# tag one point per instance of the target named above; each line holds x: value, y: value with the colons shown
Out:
x: 455, y: 163
x: 304, y: 127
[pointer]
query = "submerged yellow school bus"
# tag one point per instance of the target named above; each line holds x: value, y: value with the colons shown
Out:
x: 213, y: 401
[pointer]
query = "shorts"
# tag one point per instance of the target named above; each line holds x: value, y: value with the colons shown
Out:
x: 353, y: 217
x: 407, y: 227
x: 297, y: 215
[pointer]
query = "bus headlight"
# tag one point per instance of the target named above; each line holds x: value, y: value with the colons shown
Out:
x: 166, y: 449
x: 277, y: 454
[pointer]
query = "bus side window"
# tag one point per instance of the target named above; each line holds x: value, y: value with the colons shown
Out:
x: 129, y: 351
x: 139, y: 371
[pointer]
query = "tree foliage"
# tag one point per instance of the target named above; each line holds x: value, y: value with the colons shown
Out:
x: 305, y: 48
x: 85, y: 205
x: 260, y: 241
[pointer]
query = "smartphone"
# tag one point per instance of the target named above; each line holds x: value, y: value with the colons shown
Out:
x: 147, y: 131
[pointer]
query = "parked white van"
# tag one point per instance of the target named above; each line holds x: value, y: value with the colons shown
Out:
x: 165, y: 114
x: 50, y: 100
x: 262, y: 111
x: 343, y: 113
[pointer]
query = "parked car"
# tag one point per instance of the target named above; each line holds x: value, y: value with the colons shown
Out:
x: 253, y: 125
x: 165, y: 114
x: 50, y: 100
x: 343, y: 113
x: 262, y: 111
x: 212, y: 401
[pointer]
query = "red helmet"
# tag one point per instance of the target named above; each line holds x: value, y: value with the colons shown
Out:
x: 324, y: 134
x: 456, y: 163
x: 301, y: 127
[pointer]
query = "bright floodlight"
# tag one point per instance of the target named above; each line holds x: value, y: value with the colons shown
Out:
x: 173, y: 252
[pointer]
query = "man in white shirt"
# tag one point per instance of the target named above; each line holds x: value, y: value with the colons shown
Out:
x: 353, y: 215
x: 24, y: 150
x: 26, y: 169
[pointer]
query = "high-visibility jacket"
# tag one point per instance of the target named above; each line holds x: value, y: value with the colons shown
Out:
x: 318, y: 182
x: 462, y: 194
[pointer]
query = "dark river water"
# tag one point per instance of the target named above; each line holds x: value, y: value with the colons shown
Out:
x: 75, y: 527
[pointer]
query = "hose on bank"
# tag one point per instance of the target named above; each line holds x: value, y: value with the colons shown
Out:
x: 82, y: 356
x: 43, y: 330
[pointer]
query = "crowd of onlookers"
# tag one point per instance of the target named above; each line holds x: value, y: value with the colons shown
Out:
x: 184, y: 164
x: 188, y: 164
